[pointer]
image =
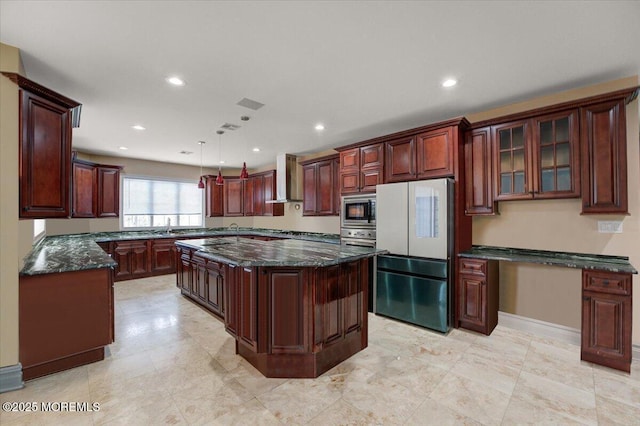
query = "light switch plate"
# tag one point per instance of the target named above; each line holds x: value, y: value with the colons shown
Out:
x: 610, y: 227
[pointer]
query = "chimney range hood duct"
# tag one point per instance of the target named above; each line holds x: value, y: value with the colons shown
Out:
x: 288, y: 180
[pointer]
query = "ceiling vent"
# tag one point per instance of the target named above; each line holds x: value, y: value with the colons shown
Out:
x: 230, y: 126
x: 250, y: 103
x: 186, y: 152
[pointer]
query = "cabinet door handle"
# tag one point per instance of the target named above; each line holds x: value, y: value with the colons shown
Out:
x: 605, y: 282
x: 586, y: 298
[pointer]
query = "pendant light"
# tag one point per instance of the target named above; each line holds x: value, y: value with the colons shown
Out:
x: 220, y: 179
x: 201, y: 182
x: 244, y: 175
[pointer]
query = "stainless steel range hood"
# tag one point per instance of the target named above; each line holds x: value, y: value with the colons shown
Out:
x: 288, y: 180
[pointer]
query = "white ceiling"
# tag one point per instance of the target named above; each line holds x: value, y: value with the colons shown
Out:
x: 363, y: 69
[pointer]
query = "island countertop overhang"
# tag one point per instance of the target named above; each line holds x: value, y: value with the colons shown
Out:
x: 296, y: 253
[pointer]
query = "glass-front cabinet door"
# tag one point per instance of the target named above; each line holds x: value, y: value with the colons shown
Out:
x: 511, y: 148
x: 537, y: 157
x: 556, y: 155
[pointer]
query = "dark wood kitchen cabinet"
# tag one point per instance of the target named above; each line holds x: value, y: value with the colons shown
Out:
x: 249, y: 197
x: 606, y: 318
x: 478, y: 169
x: 215, y: 287
x: 96, y: 190
x: 214, y: 195
x: 132, y: 258
x: 269, y: 185
x: 604, y: 154
x: 66, y: 320
x: 400, y: 158
x: 44, y: 151
x: 230, y: 296
x: 247, y: 298
x: 108, y: 191
x: 258, y: 194
x: 320, y: 187
x: 247, y: 194
x: 85, y: 190
x: 478, y: 294
x: 435, y: 153
x: 537, y: 157
x: 233, y: 197
x: 163, y: 256
x: 361, y: 168
x: 183, y: 269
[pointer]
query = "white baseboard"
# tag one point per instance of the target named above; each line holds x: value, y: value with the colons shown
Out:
x: 11, y: 378
x: 547, y: 329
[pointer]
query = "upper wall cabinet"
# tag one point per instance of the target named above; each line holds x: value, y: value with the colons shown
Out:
x: 435, y: 153
x: 321, y: 186
x: 604, y: 152
x: 573, y: 149
x: 95, y: 190
x: 361, y: 168
x: 478, y: 169
x: 401, y: 160
x: 45, y: 150
x: 248, y: 197
x: 537, y: 158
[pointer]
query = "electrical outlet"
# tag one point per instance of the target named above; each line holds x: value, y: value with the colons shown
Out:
x: 610, y: 227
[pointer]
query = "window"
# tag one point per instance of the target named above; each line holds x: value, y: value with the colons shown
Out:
x: 160, y: 203
x: 39, y: 229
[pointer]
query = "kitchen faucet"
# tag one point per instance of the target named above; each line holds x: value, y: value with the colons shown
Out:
x: 168, y: 225
x: 237, y: 230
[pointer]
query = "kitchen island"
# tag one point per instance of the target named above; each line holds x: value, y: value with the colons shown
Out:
x: 296, y: 308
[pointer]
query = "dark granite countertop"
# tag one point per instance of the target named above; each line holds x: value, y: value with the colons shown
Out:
x: 213, y: 232
x: 75, y: 252
x: 290, y: 252
x: 557, y: 258
x: 63, y: 254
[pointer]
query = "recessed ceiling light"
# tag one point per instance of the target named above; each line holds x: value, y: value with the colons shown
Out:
x: 319, y: 126
x: 449, y: 82
x: 124, y: 148
x: 221, y: 161
x: 176, y: 81
x: 256, y: 149
x: 139, y: 127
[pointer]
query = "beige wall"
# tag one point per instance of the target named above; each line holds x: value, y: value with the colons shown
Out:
x: 10, y: 247
x: 547, y: 293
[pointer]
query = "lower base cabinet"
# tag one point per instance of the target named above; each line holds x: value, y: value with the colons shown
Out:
x: 287, y: 321
x: 606, y: 319
x: 66, y: 319
x: 478, y: 291
x: 201, y: 279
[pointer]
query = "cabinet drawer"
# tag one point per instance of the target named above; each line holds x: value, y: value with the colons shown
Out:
x: 606, y: 282
x: 473, y: 266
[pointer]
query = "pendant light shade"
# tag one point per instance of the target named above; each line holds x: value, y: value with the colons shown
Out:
x: 244, y: 174
x: 220, y: 179
x: 201, y: 182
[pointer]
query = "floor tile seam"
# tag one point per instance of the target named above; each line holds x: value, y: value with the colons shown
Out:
x: 618, y: 401
x: 410, y: 415
x: 516, y: 384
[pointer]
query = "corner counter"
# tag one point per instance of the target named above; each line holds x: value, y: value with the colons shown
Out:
x: 295, y: 308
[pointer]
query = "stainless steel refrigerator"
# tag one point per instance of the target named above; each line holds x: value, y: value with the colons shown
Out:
x: 414, y: 223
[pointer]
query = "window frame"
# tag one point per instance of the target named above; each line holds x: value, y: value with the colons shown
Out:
x: 158, y: 178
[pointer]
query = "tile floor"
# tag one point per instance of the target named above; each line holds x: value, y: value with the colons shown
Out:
x: 173, y: 363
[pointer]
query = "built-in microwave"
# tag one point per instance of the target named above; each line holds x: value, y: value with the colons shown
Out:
x: 358, y: 211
